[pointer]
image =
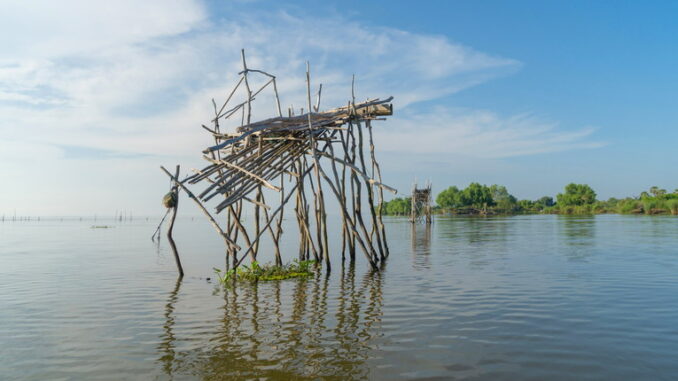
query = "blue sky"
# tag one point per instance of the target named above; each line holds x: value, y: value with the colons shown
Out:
x: 529, y: 94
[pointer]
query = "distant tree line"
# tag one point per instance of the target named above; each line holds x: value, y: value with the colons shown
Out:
x: 575, y: 199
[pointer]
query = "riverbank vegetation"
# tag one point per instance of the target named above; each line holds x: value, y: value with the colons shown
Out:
x: 575, y: 199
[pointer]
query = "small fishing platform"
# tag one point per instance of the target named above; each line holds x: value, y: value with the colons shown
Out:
x: 299, y: 158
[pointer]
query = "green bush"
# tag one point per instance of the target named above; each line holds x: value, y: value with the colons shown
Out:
x: 576, y: 199
x: 256, y: 272
x: 628, y: 206
x: 577, y: 194
x: 599, y: 208
x: 672, y: 205
x: 655, y: 206
x: 583, y: 209
x: 397, y: 207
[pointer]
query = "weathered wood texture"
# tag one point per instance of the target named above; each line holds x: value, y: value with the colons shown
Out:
x: 301, y: 148
x: 421, y: 204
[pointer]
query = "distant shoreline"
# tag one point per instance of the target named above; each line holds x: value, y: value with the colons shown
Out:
x: 577, y: 199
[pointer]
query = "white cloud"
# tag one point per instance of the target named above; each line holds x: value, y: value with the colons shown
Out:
x: 148, y: 89
x: 137, y: 77
x: 482, y: 134
x: 51, y: 29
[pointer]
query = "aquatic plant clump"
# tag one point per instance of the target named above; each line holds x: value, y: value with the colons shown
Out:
x: 256, y: 272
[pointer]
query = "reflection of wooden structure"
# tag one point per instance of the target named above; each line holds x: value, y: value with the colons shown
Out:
x: 277, y: 332
x: 420, y: 204
x: 283, y: 154
x: 421, y: 245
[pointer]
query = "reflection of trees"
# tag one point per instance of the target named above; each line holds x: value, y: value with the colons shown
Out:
x: 476, y: 230
x: 478, y: 239
x: 487, y: 230
x: 301, y: 329
x: 579, y: 234
x: 579, y: 230
x: 421, y: 246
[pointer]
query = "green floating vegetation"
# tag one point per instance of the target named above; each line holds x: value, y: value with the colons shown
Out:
x: 268, y: 272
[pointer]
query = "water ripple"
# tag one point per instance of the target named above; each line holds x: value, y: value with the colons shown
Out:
x: 528, y: 297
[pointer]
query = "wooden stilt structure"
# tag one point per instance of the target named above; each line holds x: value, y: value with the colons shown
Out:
x: 171, y: 200
x: 421, y: 204
x: 292, y: 155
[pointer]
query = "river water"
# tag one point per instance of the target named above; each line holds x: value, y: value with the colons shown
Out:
x: 504, y: 298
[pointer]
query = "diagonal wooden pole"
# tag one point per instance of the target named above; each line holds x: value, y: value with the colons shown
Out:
x: 175, y: 193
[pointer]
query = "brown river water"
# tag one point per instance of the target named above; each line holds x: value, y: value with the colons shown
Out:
x: 502, y: 298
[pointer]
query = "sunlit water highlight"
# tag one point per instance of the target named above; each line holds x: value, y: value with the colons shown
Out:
x: 508, y: 298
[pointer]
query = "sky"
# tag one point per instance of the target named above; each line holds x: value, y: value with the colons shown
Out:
x: 95, y: 96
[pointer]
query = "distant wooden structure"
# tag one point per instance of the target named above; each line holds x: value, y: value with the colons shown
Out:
x: 420, y: 204
x: 283, y: 154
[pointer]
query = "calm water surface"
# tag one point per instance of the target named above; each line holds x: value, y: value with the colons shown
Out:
x: 510, y: 298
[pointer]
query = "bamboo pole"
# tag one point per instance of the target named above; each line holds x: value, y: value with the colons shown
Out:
x: 366, y: 250
x: 412, y: 198
x: 157, y: 230
x: 202, y: 208
x: 370, y: 195
x: 304, y: 209
x: 274, y: 236
x: 350, y: 157
x: 357, y: 205
x: 279, y: 229
x: 321, y: 216
x: 170, y: 229
x: 376, y: 169
x: 344, y: 229
x: 317, y: 102
x: 370, y: 181
x: 259, y: 154
x: 277, y: 98
x: 275, y: 213
x: 247, y: 86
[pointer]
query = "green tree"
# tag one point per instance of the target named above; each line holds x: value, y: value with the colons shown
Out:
x: 576, y: 194
x: 527, y: 205
x: 545, y: 202
x: 449, y: 198
x: 611, y: 203
x: 502, y: 198
x: 657, y: 192
x: 397, y: 206
x: 477, y: 196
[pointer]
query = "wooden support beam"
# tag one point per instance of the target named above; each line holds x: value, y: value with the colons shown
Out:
x: 362, y: 174
x: 275, y: 213
x: 202, y: 208
x: 170, y: 229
